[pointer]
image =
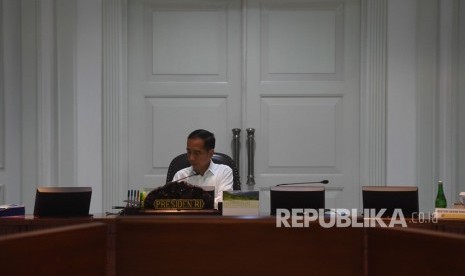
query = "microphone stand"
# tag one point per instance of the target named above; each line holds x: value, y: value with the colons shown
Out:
x: 179, y: 180
x: 304, y: 183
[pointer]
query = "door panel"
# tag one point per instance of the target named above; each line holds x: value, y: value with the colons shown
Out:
x: 184, y: 73
x: 303, y: 94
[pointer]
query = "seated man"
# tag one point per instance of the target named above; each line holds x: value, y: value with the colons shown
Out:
x: 203, y: 172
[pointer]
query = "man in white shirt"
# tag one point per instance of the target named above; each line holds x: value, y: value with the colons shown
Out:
x: 203, y: 171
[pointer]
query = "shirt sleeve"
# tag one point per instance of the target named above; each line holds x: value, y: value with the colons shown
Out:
x: 176, y: 176
x: 225, y: 184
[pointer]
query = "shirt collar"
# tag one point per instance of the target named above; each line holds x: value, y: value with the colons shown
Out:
x: 213, y: 167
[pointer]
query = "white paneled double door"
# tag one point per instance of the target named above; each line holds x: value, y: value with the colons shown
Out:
x: 288, y: 69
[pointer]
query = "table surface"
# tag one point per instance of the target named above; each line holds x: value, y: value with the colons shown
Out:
x: 170, y: 214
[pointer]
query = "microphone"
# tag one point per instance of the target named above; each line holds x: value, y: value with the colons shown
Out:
x: 305, y: 183
x: 179, y: 180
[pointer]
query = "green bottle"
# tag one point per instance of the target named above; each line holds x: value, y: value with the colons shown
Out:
x: 441, y: 201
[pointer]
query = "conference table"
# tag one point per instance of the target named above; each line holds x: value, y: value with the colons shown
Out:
x: 164, y: 243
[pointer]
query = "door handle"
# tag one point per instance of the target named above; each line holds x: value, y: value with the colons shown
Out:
x: 250, y: 156
x: 236, y: 144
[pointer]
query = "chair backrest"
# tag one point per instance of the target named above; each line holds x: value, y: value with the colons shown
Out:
x: 181, y: 162
x: 391, y: 198
x: 296, y: 197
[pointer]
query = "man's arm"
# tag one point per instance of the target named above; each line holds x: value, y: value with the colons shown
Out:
x: 225, y: 184
x: 176, y: 176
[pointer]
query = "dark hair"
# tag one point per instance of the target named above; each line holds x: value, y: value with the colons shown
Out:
x: 207, y: 137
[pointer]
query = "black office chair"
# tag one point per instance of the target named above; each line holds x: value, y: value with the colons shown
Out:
x: 181, y: 162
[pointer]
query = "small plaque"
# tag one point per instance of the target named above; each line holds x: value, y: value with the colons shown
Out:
x: 237, y: 203
x: 183, y: 204
x: 180, y: 196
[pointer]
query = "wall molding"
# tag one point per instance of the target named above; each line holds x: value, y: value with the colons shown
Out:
x: 48, y: 90
x: 29, y: 145
x: 47, y: 93
x: 447, y: 96
x: 461, y: 100
x: 66, y: 17
x: 10, y: 176
x: 114, y: 144
x: 373, y: 93
x: 426, y: 111
x: 2, y: 92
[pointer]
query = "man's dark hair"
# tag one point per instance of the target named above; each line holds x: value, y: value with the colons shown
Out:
x: 207, y: 137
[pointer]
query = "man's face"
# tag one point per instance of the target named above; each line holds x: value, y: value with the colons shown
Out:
x: 198, y: 156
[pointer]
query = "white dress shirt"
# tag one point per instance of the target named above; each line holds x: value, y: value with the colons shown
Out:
x: 218, y: 175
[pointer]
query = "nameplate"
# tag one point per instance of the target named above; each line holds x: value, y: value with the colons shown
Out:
x: 239, y: 203
x: 185, y: 204
x: 11, y: 210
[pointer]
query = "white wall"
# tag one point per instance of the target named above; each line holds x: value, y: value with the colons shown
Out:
x: 426, y: 115
x: 401, y: 93
x: 88, y: 99
x: 424, y: 97
x: 52, y: 97
x: 10, y: 173
x: 461, y: 102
